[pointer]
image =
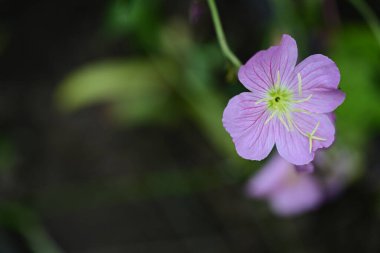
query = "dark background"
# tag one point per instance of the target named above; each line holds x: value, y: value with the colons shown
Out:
x: 86, y: 179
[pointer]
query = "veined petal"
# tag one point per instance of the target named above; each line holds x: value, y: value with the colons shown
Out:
x: 322, y: 101
x: 245, y: 121
x: 317, y: 71
x: 261, y: 71
x: 292, y: 145
x: 325, y: 129
x: 284, y: 59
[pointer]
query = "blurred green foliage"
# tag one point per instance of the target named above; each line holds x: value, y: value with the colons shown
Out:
x: 24, y: 221
x: 357, y: 54
x: 140, y: 19
x: 8, y: 155
x: 136, y: 87
x: 139, y: 88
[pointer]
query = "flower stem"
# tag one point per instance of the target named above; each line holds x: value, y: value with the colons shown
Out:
x: 220, y: 34
x: 369, y: 16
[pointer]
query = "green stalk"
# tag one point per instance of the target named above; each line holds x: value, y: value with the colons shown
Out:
x: 220, y: 34
x: 369, y: 16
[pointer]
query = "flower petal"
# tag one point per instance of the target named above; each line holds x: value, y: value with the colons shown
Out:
x: 307, y: 168
x: 292, y: 145
x: 302, y: 195
x: 323, y: 101
x: 269, y: 178
x: 317, y: 71
x: 260, y: 72
x: 245, y: 122
x: 326, y: 129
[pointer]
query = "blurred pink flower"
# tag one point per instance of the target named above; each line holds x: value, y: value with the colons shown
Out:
x: 287, y: 104
x: 288, y: 191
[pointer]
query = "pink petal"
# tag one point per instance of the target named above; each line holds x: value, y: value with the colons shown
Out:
x: 323, y: 101
x: 245, y: 122
x: 305, y: 169
x: 303, y: 194
x: 292, y: 145
x: 317, y: 71
x: 260, y: 72
x: 269, y: 178
x: 332, y: 117
x: 325, y: 130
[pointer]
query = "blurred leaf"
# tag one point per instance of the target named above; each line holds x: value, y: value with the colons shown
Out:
x: 311, y: 13
x: 139, y: 17
x: 358, y: 57
x: 176, y: 40
x: 136, y: 88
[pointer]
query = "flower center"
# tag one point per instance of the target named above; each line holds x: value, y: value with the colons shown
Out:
x: 280, y: 103
x: 279, y: 99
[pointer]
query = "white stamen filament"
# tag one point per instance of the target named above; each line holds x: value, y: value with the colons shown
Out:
x: 270, y: 117
x: 277, y: 84
x: 303, y: 100
x: 299, y: 84
x: 302, y: 111
x: 283, y: 122
x: 262, y: 100
x: 290, y: 121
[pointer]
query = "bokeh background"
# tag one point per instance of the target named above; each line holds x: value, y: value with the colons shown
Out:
x: 111, y: 137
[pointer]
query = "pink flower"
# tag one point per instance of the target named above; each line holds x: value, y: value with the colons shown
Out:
x: 288, y: 191
x: 287, y: 104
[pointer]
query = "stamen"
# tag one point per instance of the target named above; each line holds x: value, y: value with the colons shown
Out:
x: 315, y: 128
x: 299, y: 84
x: 310, y: 144
x: 302, y: 111
x: 299, y: 130
x: 290, y: 121
x: 278, y: 79
x: 283, y: 122
x: 304, y: 99
x: 262, y: 100
x: 270, y: 117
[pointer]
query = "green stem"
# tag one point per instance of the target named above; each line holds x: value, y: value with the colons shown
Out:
x: 369, y: 16
x: 220, y: 34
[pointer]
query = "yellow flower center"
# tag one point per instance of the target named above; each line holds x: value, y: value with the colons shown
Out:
x: 280, y: 102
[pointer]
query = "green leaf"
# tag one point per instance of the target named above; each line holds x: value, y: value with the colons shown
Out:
x: 135, y: 88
